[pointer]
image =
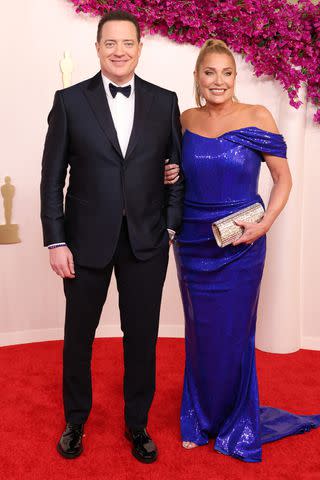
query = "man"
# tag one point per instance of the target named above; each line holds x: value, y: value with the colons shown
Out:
x: 115, y: 131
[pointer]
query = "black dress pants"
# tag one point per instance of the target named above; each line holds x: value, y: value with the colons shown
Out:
x: 140, y: 286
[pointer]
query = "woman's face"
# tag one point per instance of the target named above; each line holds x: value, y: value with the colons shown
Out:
x: 216, y: 78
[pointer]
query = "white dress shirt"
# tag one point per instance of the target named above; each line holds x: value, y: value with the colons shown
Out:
x: 122, y: 112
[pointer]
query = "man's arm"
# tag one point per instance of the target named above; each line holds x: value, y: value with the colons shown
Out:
x: 175, y: 192
x: 54, y: 170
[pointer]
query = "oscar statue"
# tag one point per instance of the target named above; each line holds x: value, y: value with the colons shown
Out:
x: 66, y: 66
x: 8, y: 231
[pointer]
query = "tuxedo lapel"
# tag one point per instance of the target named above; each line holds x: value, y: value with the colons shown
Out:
x: 143, y: 100
x: 96, y: 96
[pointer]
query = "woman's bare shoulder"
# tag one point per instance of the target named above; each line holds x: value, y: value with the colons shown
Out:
x: 187, y: 117
x: 262, y: 118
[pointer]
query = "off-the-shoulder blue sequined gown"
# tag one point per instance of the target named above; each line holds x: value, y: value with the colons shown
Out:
x: 220, y: 291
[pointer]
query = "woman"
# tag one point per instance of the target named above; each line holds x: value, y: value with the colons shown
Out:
x: 223, y: 145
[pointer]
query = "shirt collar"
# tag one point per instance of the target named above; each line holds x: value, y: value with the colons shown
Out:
x: 106, y: 82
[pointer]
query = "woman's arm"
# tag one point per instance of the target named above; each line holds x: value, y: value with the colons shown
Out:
x: 282, y: 184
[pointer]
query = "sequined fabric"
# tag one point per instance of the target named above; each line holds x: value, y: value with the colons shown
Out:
x: 220, y: 291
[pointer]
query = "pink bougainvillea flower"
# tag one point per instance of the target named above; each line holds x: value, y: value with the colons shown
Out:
x: 278, y: 38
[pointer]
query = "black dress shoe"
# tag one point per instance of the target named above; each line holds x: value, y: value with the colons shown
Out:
x: 143, y: 448
x: 70, y: 444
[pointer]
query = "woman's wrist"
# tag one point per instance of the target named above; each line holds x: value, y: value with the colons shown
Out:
x: 266, y: 224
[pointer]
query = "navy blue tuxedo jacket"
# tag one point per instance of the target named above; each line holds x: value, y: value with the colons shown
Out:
x: 102, y: 183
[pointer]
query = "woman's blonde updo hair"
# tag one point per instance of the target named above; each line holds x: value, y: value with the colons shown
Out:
x: 210, y: 46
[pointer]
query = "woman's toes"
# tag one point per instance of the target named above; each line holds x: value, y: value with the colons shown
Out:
x: 189, y: 445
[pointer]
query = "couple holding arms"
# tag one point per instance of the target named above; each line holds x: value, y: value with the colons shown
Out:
x: 123, y: 209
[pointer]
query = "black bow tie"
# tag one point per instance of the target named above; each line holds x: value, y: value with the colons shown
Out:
x: 124, y: 90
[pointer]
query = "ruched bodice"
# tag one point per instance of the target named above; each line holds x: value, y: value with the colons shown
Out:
x: 220, y: 291
x: 227, y: 168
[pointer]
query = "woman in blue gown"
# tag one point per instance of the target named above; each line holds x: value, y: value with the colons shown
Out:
x: 224, y: 144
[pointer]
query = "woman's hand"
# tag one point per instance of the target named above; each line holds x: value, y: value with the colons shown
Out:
x: 251, y: 233
x: 171, y: 173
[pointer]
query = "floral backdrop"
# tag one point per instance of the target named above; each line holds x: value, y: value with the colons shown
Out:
x: 278, y: 38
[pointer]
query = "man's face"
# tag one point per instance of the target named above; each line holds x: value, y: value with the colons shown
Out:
x: 118, y: 50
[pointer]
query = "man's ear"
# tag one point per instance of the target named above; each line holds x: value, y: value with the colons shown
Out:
x: 97, y: 45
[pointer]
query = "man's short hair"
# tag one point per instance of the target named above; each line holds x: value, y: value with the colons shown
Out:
x: 118, y: 15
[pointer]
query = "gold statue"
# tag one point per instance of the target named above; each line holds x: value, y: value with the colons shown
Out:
x: 66, y: 67
x: 8, y: 231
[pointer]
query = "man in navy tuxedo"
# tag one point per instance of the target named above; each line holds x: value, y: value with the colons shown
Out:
x: 114, y: 132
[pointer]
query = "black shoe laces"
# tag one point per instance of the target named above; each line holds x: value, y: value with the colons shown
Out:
x: 72, y: 427
x: 141, y: 435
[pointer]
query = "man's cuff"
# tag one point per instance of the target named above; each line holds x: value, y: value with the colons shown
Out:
x: 56, y: 245
x: 171, y: 233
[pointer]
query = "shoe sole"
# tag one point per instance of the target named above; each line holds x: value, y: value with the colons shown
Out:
x: 136, y: 456
x: 68, y: 456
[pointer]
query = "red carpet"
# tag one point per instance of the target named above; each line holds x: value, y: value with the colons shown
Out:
x: 32, y: 419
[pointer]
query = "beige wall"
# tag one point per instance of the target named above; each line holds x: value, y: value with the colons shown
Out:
x: 31, y: 299
x: 310, y: 259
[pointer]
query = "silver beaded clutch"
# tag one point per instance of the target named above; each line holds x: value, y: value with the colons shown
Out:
x: 225, y: 231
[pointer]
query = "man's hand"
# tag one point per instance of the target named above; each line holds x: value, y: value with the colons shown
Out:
x: 61, y: 261
x: 171, y: 173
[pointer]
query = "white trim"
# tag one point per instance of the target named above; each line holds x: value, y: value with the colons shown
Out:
x: 113, y: 330
x: 310, y: 343
x: 30, y: 336
x: 171, y: 331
